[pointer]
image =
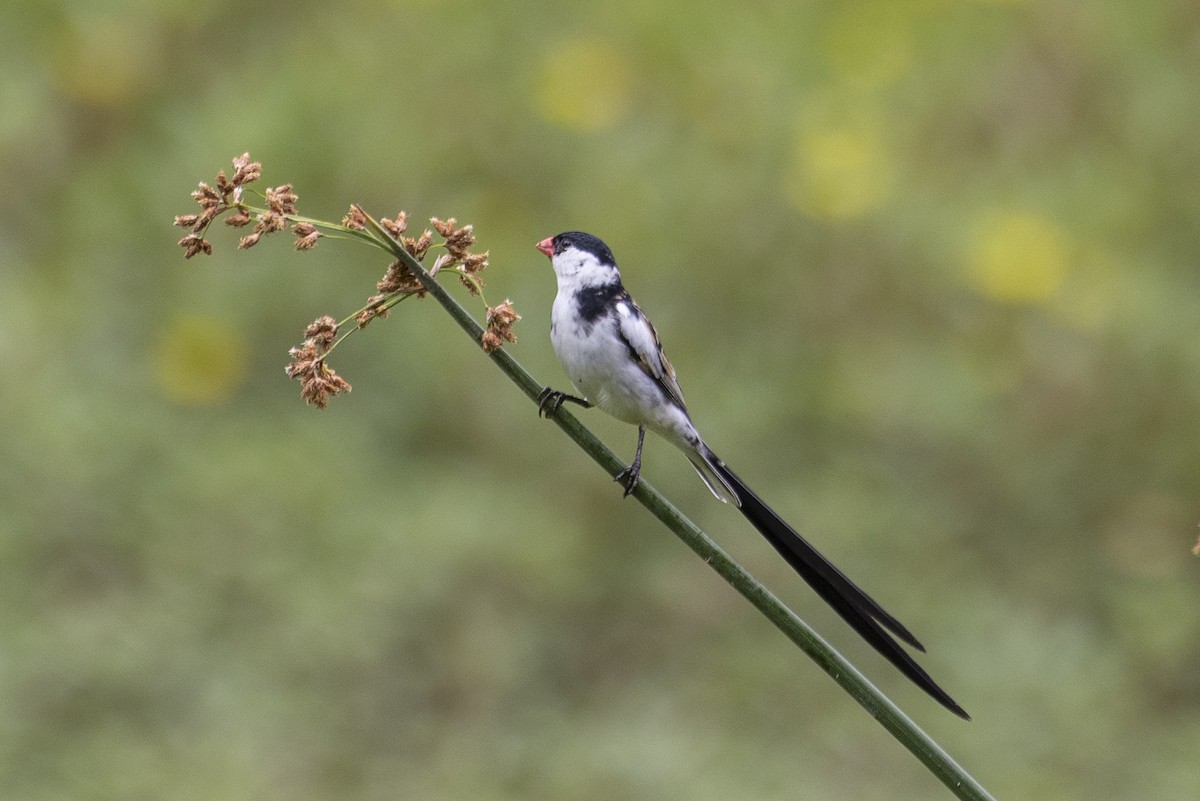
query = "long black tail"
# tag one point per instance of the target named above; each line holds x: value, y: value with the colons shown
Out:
x: 856, y: 607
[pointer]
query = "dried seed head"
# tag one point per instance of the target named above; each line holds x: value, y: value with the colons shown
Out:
x: 474, y: 285
x: 458, y: 240
x: 186, y: 220
x: 500, y: 320
x: 374, y: 308
x: 356, y: 219
x: 502, y: 315
x: 271, y: 221
x: 206, y: 216
x: 399, y: 278
x: 318, y: 381
x: 444, y: 227
x: 306, y: 235
x: 397, y: 226
x: 249, y: 241
x: 321, y: 385
x: 474, y: 263
x: 245, y: 171
x: 239, y: 218
x: 193, y: 244
x: 490, y: 341
x: 417, y: 247
x: 282, y: 200
x: 322, y: 331
x: 206, y: 196
x: 303, y: 359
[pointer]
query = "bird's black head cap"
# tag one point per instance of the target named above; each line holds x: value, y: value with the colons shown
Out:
x: 586, y: 243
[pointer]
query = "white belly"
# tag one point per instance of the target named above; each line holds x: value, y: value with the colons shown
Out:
x: 602, y: 369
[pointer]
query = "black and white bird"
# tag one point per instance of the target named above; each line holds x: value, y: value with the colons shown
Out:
x: 613, y: 356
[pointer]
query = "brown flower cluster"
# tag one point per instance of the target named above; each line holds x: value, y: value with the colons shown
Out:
x: 318, y: 381
x: 457, y: 242
x: 419, y: 246
x: 306, y: 235
x: 500, y: 320
x: 398, y: 282
x: 281, y: 204
x: 356, y: 218
x: 396, y: 227
x: 416, y: 246
x: 227, y: 196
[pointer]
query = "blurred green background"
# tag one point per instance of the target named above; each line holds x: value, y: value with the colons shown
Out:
x: 928, y: 273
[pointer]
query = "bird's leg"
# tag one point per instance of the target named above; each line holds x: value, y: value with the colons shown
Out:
x: 549, y: 400
x: 632, y: 474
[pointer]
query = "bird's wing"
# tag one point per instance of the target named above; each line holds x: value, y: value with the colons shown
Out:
x: 635, y: 328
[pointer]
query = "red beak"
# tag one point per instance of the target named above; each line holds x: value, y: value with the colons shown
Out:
x: 547, y: 246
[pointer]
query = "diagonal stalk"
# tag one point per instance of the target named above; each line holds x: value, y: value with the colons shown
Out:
x: 911, y: 736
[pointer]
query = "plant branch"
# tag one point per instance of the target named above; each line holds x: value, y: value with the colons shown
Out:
x: 928, y: 752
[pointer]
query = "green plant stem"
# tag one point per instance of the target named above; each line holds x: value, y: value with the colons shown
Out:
x: 930, y: 754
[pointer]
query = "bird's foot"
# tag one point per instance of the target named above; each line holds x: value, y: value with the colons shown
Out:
x: 630, y: 477
x: 549, y: 400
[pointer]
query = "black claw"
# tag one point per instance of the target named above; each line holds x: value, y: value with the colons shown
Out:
x: 549, y: 400
x: 630, y: 477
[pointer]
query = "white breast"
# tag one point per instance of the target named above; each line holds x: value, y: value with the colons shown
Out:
x: 602, y: 369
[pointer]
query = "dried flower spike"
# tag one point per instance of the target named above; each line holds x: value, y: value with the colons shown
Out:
x: 356, y: 219
x: 373, y: 309
x: 457, y: 240
x: 399, y: 278
x: 475, y: 263
x: 322, y: 385
x: 322, y: 331
x: 306, y: 235
x: 490, y: 341
x: 417, y: 247
x: 240, y: 218
x: 397, y: 226
x: 318, y: 381
x: 245, y: 171
x: 282, y: 200
x: 500, y: 320
x: 193, y: 244
x: 206, y: 196
x: 474, y: 285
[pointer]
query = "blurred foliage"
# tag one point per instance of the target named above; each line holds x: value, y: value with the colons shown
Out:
x: 927, y: 270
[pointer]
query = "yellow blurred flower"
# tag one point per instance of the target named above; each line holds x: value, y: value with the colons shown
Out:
x: 584, y: 85
x: 1018, y: 257
x: 199, y: 361
x: 839, y: 173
